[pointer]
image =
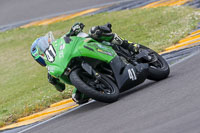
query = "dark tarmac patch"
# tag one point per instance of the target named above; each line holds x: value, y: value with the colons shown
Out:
x: 125, y: 6
x: 176, y: 56
x: 194, y: 3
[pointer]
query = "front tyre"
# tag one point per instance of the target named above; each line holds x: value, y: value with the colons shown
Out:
x: 103, y: 89
x: 158, y: 68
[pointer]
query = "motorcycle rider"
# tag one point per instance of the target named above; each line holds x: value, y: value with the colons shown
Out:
x: 99, y: 33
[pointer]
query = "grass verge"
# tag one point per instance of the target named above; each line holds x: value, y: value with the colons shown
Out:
x: 23, y: 83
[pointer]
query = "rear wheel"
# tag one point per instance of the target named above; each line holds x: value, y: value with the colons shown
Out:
x: 158, y: 67
x: 101, y: 89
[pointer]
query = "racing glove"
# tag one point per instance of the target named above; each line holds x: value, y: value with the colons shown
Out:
x: 102, y: 33
x: 56, y: 82
x: 76, y: 28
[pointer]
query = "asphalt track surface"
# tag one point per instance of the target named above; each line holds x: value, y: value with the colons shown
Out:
x: 17, y: 11
x: 168, y: 106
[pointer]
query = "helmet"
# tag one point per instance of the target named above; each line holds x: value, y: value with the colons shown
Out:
x: 39, y: 47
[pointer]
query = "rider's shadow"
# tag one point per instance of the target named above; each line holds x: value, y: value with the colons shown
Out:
x: 95, y: 105
x: 93, y: 108
x: 143, y: 86
x: 146, y: 85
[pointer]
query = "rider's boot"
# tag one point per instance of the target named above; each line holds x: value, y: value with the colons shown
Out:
x: 104, y: 33
x: 131, y: 46
x: 79, y: 97
x: 125, y: 44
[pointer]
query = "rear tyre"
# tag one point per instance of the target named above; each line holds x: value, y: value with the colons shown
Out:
x: 158, y: 69
x: 103, y: 89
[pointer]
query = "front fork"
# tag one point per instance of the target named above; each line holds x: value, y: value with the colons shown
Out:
x: 90, y: 70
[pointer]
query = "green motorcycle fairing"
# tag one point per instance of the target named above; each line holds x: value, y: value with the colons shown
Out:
x: 63, y: 50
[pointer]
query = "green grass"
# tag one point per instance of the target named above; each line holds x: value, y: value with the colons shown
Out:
x: 23, y: 83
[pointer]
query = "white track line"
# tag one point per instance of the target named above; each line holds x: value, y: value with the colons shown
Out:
x: 64, y: 113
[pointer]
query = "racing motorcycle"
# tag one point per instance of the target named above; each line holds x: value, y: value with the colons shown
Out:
x: 101, y: 70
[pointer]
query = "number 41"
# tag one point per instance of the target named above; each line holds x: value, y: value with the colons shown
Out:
x: 132, y: 74
x: 50, y: 54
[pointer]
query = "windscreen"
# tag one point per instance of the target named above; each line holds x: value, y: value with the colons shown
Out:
x: 43, y: 42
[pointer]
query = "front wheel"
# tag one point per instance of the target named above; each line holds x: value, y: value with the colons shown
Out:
x: 101, y: 89
x: 158, y: 67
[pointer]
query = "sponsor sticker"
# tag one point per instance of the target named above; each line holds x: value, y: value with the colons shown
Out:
x: 50, y: 69
x: 61, y: 54
x: 104, y: 52
x: 62, y: 46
